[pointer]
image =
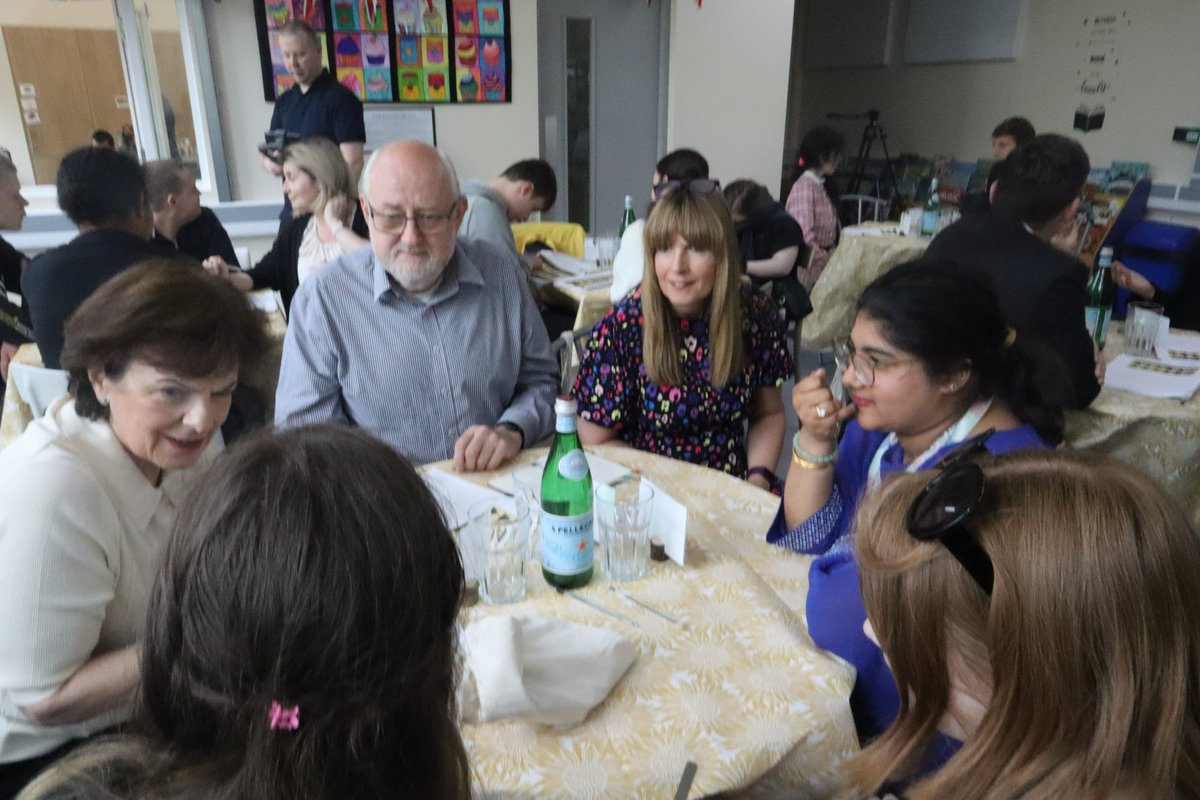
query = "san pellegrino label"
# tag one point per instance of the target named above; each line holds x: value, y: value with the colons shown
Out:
x: 567, y: 550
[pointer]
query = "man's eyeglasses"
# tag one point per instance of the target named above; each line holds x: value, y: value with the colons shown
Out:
x: 944, y: 506
x: 698, y: 186
x: 426, y: 221
x: 845, y: 356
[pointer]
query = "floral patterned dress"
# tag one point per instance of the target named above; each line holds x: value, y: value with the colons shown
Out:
x: 697, y: 421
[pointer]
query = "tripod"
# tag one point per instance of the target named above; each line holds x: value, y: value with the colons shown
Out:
x: 871, y: 131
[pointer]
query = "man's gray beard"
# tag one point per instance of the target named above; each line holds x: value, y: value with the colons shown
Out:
x: 423, y: 280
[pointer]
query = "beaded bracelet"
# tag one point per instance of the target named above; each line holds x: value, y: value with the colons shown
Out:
x: 807, y: 460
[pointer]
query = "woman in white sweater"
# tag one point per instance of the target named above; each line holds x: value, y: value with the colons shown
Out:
x: 88, y: 492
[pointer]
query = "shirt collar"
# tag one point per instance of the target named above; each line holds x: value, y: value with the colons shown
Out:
x: 460, y: 271
x: 134, y: 497
x: 814, y: 176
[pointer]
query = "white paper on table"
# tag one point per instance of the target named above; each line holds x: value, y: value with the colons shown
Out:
x: 569, y: 264
x: 1178, y: 348
x: 1153, y: 377
x: 603, y: 471
x: 871, y: 230
x: 455, y: 495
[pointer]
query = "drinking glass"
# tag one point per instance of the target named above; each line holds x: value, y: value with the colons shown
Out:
x: 1141, y: 328
x: 527, y: 483
x: 606, y: 251
x: 498, y: 534
x: 622, y: 517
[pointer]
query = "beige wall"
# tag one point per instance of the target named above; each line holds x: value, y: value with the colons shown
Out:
x: 481, y: 140
x: 951, y: 109
x: 728, y: 84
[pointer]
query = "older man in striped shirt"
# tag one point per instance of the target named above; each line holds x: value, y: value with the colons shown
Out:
x: 432, y: 343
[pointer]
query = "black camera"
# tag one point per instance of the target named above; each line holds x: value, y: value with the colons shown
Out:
x: 274, y: 142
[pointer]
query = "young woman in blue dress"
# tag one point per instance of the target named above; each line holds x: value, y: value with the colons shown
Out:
x: 929, y: 364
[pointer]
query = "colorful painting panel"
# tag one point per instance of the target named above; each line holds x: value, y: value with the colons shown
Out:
x: 378, y: 85
x: 345, y: 15
x: 466, y: 18
x: 491, y: 18
x: 428, y: 51
x: 433, y: 52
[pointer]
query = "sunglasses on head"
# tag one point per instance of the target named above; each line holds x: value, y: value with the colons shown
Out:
x: 941, y: 510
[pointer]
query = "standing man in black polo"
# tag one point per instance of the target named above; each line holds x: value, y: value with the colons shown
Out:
x: 317, y: 104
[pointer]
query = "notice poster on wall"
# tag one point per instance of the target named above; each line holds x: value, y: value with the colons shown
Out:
x: 1099, y: 70
x: 399, y: 51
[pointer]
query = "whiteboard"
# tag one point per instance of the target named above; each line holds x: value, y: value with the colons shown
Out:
x: 393, y: 124
x: 941, y: 31
x: 840, y: 34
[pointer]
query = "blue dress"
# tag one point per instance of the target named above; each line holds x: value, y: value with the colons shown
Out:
x: 834, y: 606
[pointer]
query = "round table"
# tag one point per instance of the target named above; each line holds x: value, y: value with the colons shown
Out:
x: 741, y: 689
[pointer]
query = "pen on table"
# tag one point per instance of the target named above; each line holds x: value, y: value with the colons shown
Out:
x: 644, y: 605
x: 580, y: 599
x: 685, y: 781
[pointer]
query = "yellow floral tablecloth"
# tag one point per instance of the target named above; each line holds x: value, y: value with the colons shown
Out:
x: 855, y: 262
x: 1160, y: 437
x: 16, y: 413
x: 741, y: 690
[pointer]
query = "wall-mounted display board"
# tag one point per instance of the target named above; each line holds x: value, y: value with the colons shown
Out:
x: 399, y: 51
x: 943, y: 31
x: 836, y: 38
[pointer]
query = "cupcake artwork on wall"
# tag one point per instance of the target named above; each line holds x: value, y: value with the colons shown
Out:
x: 362, y: 49
x: 273, y: 15
x: 481, y: 46
x: 399, y: 51
x: 421, y: 46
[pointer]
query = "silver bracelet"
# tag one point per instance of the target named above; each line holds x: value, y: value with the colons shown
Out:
x: 804, y: 455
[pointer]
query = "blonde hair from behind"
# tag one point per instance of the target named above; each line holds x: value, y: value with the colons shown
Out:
x: 1089, y: 642
x: 107, y: 768
x: 704, y: 223
x: 323, y: 161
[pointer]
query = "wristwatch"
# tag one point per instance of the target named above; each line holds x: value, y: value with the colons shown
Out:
x: 512, y: 426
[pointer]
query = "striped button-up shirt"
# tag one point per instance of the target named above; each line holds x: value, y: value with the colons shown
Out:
x: 418, y: 374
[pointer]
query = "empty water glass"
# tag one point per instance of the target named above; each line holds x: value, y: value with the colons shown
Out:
x: 622, y: 517
x: 1142, y: 322
x: 527, y: 489
x: 497, y: 535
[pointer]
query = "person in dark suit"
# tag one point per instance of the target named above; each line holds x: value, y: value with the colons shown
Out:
x: 103, y: 192
x: 1041, y: 288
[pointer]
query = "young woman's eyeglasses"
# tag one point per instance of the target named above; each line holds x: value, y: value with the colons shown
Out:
x: 426, y: 221
x: 944, y: 506
x: 845, y: 356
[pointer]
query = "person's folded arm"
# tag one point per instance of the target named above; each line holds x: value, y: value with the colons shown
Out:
x: 59, y: 533
x: 781, y: 263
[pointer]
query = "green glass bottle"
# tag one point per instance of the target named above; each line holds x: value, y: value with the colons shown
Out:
x: 567, y: 550
x: 627, y: 217
x: 933, y: 209
x: 1099, y: 297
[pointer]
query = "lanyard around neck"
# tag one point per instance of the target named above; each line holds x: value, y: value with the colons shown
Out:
x: 955, y: 433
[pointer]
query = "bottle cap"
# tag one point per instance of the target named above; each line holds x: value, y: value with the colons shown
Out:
x: 628, y: 199
x: 1106, y: 251
x: 564, y: 406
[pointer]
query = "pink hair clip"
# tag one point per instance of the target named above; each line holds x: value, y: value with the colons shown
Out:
x: 286, y: 719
